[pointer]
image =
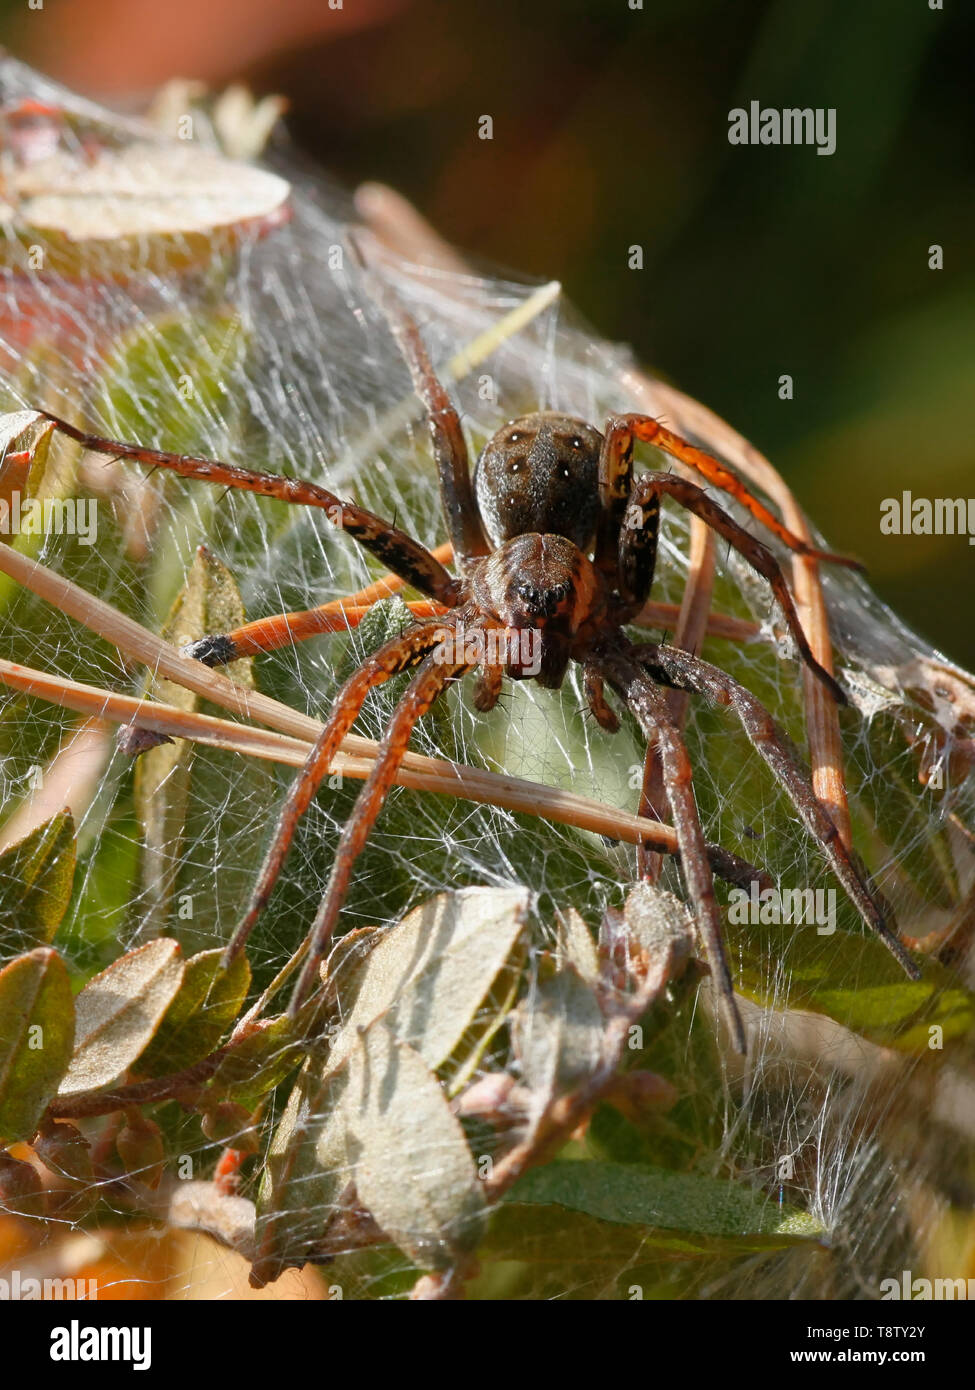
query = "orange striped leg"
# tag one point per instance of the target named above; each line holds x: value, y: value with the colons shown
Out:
x: 397, y: 655
x: 645, y: 500
x: 284, y: 629
x: 425, y: 688
x: 620, y: 431
x: 411, y: 561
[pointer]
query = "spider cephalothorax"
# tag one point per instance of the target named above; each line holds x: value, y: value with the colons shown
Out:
x: 554, y: 541
x: 546, y: 587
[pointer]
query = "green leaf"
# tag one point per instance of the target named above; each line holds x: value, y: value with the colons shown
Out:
x: 431, y: 972
x: 554, y: 747
x: 36, y: 1036
x: 548, y: 1252
x: 422, y: 982
x: 208, y: 1001
x: 108, y: 868
x: 855, y: 981
x: 662, y: 1201
x: 36, y: 877
x: 412, y: 1166
x: 258, y: 1063
x: 306, y: 1172
x: 576, y: 946
x: 557, y: 1034
x: 118, y: 1012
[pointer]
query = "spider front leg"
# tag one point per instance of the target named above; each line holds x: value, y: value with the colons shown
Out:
x: 414, y: 564
x: 427, y: 685
x: 649, y: 708
x: 449, y: 447
x: 392, y: 658
x: 683, y: 671
x: 616, y: 474
x: 636, y: 556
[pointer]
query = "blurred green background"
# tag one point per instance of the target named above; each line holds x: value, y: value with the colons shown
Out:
x: 610, y: 129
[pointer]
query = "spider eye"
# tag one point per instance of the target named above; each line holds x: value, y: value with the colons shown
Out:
x: 514, y: 438
x: 566, y: 471
x: 575, y: 442
x: 516, y: 465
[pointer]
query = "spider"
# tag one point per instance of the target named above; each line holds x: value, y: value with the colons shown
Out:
x: 555, y: 540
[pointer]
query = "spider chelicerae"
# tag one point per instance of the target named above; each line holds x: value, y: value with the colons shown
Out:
x: 554, y: 540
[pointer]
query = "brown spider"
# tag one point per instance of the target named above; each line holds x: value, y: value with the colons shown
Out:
x: 553, y: 540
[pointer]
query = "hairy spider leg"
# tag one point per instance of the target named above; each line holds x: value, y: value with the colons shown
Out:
x: 626, y: 544
x: 487, y: 688
x: 617, y: 462
x: 425, y: 688
x: 635, y: 566
x: 285, y: 629
x: 414, y: 564
x: 400, y: 654
x: 615, y: 485
x: 682, y: 671
x: 593, y: 687
x: 279, y: 630
x: 650, y: 709
x: 464, y: 524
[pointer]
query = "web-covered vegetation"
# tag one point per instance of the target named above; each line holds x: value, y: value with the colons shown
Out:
x: 223, y: 316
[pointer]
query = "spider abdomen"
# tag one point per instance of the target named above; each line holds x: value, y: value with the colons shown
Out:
x: 539, y: 474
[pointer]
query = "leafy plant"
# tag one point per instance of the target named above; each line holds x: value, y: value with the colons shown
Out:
x: 510, y: 1082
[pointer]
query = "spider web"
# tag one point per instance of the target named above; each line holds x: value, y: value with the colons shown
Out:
x: 276, y: 357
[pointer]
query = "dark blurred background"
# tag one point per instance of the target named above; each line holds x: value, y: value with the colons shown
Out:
x: 610, y: 129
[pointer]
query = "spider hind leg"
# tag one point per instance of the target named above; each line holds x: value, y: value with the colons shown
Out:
x: 646, y: 702
x: 683, y: 671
